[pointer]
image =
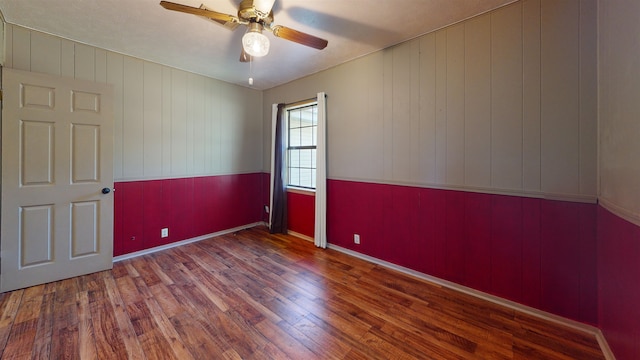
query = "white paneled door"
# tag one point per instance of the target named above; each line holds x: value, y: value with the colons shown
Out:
x: 57, y: 176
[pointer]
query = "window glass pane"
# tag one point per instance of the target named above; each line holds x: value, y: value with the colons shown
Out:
x: 294, y: 158
x: 313, y: 178
x: 306, y: 116
x: 305, y: 158
x: 306, y: 134
x: 294, y: 119
x: 294, y: 137
x: 294, y: 176
x: 313, y: 158
x: 305, y: 177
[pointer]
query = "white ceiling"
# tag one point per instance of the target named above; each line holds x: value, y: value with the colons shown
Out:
x: 143, y: 29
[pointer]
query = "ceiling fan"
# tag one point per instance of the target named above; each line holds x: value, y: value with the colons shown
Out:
x: 256, y: 15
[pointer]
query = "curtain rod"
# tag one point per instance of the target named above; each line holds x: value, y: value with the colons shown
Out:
x: 302, y: 102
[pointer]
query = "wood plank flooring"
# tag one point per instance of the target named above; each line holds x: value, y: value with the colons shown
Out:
x: 252, y: 295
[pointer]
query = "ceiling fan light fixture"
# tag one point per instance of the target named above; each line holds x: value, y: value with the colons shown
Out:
x: 254, y: 42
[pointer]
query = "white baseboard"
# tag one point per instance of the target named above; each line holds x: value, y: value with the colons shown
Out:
x: 183, y: 242
x: 298, y: 235
x: 587, y: 329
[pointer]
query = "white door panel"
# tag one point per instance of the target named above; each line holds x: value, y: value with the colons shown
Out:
x: 57, y: 156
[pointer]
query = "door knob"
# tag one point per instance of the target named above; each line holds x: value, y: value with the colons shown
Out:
x: 106, y: 190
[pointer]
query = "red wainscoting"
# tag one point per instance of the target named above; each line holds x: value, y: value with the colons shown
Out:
x: 266, y: 195
x: 301, y: 210
x: 300, y: 207
x: 619, y: 284
x: 189, y: 207
x: 537, y: 252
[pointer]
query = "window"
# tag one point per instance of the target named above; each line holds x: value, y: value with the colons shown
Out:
x: 302, y: 125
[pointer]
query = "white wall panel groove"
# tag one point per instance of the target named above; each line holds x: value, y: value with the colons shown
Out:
x: 414, y: 112
x: 84, y: 62
x: 531, y: 82
x: 441, y: 107
x: 560, y: 102
x: 371, y: 120
x: 387, y: 154
x: 588, y: 99
x: 152, y: 141
x: 427, y: 110
x: 133, y: 118
x: 506, y: 98
x: 115, y: 71
x: 455, y: 101
x: 400, y: 120
x: 477, y: 131
x: 45, y: 53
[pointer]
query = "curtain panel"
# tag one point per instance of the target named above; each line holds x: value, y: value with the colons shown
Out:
x: 320, y: 235
x: 278, y: 206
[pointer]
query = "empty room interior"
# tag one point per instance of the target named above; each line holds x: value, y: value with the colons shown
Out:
x: 444, y: 179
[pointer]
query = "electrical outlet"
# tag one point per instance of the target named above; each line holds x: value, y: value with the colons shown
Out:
x: 164, y: 232
x: 356, y: 239
x: 266, y: 209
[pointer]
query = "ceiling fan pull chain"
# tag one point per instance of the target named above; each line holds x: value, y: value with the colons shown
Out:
x: 251, y: 70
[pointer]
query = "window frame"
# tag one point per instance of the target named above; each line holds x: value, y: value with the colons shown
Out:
x: 314, y: 126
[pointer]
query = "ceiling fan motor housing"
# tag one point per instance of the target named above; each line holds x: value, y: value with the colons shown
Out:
x: 247, y: 11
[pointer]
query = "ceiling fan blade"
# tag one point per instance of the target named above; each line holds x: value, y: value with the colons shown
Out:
x: 244, y: 57
x: 229, y: 25
x: 299, y: 37
x: 213, y: 15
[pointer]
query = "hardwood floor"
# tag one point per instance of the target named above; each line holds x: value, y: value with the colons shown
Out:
x: 256, y: 296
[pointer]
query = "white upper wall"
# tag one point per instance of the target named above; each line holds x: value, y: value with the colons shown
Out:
x: 167, y: 122
x: 504, y: 102
x: 619, y: 107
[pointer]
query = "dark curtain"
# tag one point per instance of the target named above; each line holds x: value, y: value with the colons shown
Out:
x: 279, y: 210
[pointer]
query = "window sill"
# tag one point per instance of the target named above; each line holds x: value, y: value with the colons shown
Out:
x: 302, y: 191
